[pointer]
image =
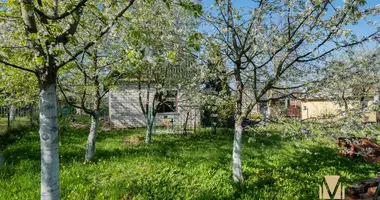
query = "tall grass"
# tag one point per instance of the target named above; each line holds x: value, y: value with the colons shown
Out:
x: 17, y: 129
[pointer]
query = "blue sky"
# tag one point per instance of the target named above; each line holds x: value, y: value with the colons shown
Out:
x: 361, y: 29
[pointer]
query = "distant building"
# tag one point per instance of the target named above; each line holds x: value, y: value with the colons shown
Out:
x: 278, y: 104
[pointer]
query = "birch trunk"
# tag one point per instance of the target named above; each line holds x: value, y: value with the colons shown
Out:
x: 91, y: 140
x: 49, y: 142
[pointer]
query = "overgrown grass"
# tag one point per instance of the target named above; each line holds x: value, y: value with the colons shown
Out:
x: 197, y: 166
x: 17, y: 130
x: 20, y: 122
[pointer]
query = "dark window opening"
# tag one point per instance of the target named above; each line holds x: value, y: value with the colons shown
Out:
x: 169, y: 104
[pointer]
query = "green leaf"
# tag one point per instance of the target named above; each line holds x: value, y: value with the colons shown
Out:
x: 172, y: 56
x: 130, y: 54
x: 40, y: 60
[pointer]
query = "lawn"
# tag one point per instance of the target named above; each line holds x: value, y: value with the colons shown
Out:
x: 197, y: 166
x: 20, y: 122
x: 17, y: 129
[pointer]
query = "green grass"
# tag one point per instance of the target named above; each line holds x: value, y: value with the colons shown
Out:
x: 19, y: 122
x: 197, y: 166
x: 17, y: 129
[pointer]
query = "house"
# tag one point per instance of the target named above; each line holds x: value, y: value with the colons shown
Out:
x: 275, y: 104
x: 313, y: 108
x: 125, y: 108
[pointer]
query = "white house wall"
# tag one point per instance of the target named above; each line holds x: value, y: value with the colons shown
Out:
x: 125, y: 110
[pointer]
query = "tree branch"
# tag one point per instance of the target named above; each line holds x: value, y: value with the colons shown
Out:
x: 63, y: 15
x: 102, y: 33
x: 17, y: 67
x: 63, y: 38
x: 65, y: 97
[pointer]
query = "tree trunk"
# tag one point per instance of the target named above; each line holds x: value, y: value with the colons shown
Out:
x: 12, y: 112
x: 149, y: 129
x: 185, y: 124
x: 9, y: 123
x: 239, y: 117
x: 195, y: 121
x: 376, y: 97
x: 31, y: 115
x: 236, y: 154
x: 213, y: 127
x: 363, y: 104
x: 214, y: 115
x: 91, y: 141
x: 50, y: 186
x: 270, y: 104
x: 345, y: 102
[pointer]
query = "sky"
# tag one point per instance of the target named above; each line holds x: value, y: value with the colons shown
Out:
x: 361, y: 29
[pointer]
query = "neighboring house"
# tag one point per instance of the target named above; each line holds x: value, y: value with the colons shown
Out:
x: 125, y: 109
x: 275, y: 104
x: 310, y: 107
x: 319, y: 108
x: 322, y: 105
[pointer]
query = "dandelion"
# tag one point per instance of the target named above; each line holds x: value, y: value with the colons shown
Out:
x: 68, y: 196
x: 281, y: 179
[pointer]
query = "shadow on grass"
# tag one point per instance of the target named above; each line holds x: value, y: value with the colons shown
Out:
x: 303, y: 167
x: 15, y: 134
x: 173, y: 161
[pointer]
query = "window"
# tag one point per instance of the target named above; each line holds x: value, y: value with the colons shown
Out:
x: 170, y: 103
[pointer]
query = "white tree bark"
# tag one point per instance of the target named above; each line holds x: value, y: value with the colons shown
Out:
x: 149, y: 129
x: 12, y: 112
x: 91, y: 140
x: 236, y: 153
x: 49, y: 143
x: 376, y: 97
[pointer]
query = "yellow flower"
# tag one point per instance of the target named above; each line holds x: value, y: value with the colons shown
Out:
x: 257, y: 171
x: 281, y: 179
x: 68, y: 196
